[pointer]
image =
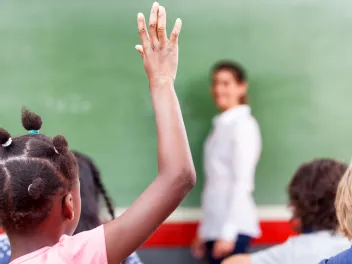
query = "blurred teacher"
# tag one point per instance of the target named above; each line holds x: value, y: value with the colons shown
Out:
x: 231, y: 154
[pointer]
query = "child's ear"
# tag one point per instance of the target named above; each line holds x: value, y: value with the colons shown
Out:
x: 67, y: 207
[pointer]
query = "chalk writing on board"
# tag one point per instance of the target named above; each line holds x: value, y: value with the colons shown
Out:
x: 71, y: 103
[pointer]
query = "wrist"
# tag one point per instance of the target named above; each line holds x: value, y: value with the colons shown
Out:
x: 160, y: 81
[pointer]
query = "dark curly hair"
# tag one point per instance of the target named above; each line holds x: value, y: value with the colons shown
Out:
x: 34, y: 169
x: 312, y: 193
x: 91, y: 188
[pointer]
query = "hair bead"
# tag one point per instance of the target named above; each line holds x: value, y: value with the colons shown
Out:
x: 7, y: 143
x: 33, y: 132
x: 57, y: 152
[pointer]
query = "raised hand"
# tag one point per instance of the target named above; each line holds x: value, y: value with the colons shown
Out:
x: 176, y: 173
x: 160, y: 54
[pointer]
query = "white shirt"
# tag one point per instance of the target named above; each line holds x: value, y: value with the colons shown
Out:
x: 303, y: 249
x: 231, y: 154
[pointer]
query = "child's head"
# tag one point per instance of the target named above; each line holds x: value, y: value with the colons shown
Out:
x: 39, y: 184
x: 343, y: 203
x: 91, y: 189
x: 312, y: 194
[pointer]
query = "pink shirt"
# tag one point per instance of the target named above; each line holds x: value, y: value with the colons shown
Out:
x: 86, y: 248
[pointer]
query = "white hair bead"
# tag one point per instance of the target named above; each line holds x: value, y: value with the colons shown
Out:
x: 7, y: 143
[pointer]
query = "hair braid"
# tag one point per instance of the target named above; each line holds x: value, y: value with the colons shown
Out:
x: 98, y: 182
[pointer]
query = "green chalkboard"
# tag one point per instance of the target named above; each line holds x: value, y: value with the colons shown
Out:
x: 74, y: 62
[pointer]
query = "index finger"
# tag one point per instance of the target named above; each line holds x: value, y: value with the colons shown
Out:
x: 142, y: 29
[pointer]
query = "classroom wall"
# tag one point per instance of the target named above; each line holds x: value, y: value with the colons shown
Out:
x: 74, y: 63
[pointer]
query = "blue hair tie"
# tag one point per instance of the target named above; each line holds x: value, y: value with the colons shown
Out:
x: 33, y: 132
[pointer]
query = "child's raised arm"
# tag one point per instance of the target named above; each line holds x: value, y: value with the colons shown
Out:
x: 176, y: 173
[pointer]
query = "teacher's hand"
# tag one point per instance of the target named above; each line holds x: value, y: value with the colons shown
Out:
x: 197, y: 248
x: 222, y: 248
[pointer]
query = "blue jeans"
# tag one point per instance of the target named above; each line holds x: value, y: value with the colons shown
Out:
x: 241, y: 247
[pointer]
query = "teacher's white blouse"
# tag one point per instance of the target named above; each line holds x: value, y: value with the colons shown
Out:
x: 231, y: 154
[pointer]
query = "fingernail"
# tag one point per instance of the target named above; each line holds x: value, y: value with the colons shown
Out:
x: 179, y: 21
x: 155, y: 4
x: 140, y: 15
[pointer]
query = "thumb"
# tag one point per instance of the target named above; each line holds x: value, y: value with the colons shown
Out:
x: 139, y: 48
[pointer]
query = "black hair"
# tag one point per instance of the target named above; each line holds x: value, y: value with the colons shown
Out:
x: 312, y: 192
x: 34, y: 169
x: 235, y: 68
x: 91, y: 188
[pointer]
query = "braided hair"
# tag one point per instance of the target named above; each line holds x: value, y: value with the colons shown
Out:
x: 34, y: 169
x: 91, y: 188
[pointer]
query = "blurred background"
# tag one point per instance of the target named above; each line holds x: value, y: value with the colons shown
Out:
x: 74, y: 63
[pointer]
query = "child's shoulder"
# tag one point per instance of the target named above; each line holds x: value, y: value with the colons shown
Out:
x: 85, y: 247
x: 84, y: 243
x: 327, y: 237
x: 344, y: 257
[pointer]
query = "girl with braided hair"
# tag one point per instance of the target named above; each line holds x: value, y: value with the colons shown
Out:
x: 91, y: 190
